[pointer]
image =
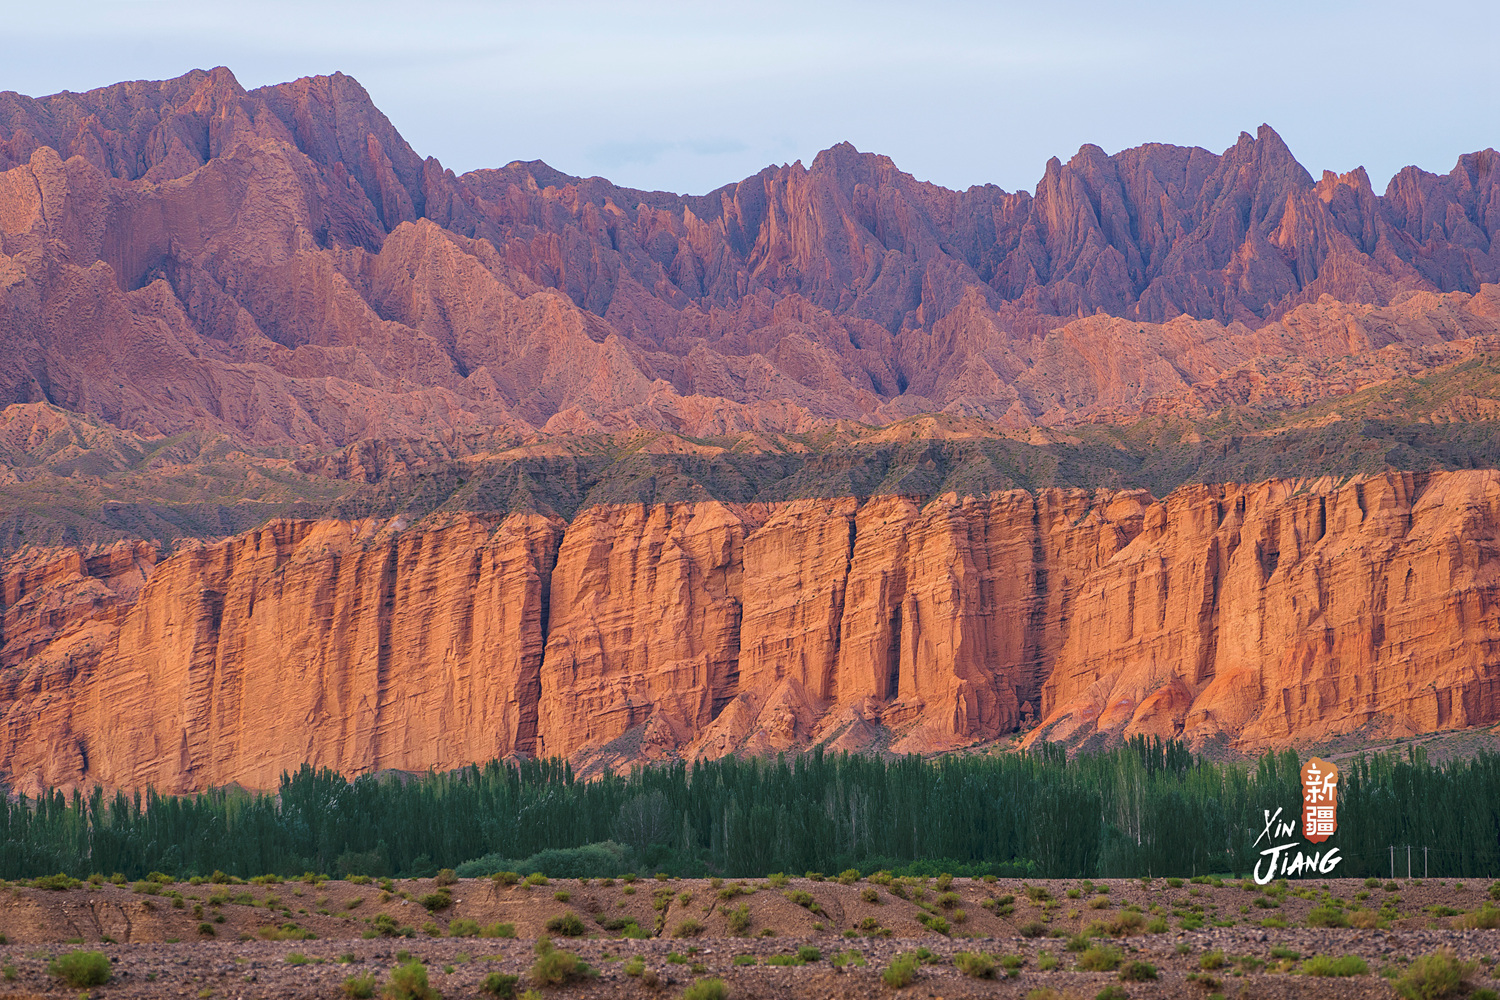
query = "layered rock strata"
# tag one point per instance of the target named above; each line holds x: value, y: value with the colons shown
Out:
x: 1261, y: 615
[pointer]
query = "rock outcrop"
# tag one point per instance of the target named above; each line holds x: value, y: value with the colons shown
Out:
x: 1259, y: 615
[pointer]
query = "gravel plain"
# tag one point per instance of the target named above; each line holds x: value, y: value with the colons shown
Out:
x: 214, y: 943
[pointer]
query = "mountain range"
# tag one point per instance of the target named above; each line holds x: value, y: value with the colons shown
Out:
x: 261, y: 363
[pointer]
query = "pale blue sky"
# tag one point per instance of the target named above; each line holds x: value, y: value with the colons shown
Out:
x: 688, y: 96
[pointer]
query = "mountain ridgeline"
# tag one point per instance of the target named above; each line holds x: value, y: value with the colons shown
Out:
x: 449, y: 468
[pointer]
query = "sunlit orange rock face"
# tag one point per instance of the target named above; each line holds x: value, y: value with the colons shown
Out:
x: 1258, y: 615
x: 277, y: 272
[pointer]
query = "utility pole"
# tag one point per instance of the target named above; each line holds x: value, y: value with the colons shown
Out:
x: 1393, y: 862
x: 1424, y: 862
x: 1408, y: 862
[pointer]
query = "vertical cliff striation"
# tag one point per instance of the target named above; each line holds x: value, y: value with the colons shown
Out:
x: 1256, y: 614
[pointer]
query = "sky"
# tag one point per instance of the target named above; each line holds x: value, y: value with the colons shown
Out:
x: 686, y: 97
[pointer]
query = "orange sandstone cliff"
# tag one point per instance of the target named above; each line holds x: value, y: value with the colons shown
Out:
x: 1260, y: 615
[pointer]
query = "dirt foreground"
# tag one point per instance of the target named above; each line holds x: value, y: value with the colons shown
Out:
x: 298, y: 939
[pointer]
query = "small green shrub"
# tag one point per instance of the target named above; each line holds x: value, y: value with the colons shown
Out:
x: 901, y: 972
x: 869, y: 896
x: 536, y: 878
x: 1138, y: 972
x: 688, y: 928
x: 975, y: 964
x: 1100, y: 958
x: 848, y: 876
x: 439, y: 900
x: 499, y: 984
x: 1112, y: 992
x: 934, y: 923
x: 1212, y: 960
x: 409, y: 982
x: 498, y: 931
x: 463, y: 927
x: 1434, y: 976
x: 444, y: 877
x: 706, y: 989
x: 1326, y: 965
x: 360, y: 987
x: 81, y: 968
x: 566, y: 924
x: 553, y: 967
x: 1326, y: 915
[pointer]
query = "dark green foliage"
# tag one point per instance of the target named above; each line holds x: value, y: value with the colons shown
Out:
x: 409, y: 982
x: 706, y: 989
x: 566, y: 924
x: 1017, y: 814
x: 1138, y: 972
x: 81, y: 968
x: 902, y: 971
x: 1343, y: 965
x: 360, y: 987
x: 499, y: 984
x: 1434, y: 977
x: 975, y: 964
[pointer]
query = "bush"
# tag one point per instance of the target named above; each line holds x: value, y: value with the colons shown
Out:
x: 498, y: 931
x: 536, y: 878
x: 1033, y: 929
x: 81, y: 968
x: 849, y: 876
x: 807, y: 953
x: 1486, y: 918
x: 869, y: 896
x: 440, y: 900
x: 444, y: 877
x: 949, y: 900
x: 934, y: 923
x: 409, y: 982
x: 566, y: 924
x: 553, y: 967
x: 1327, y: 915
x: 1325, y: 965
x: 1138, y: 972
x: 1100, y: 958
x: 902, y: 971
x: 1112, y: 992
x: 738, y: 919
x: 57, y: 883
x: 1212, y: 960
x: 360, y: 987
x: 499, y: 984
x: 463, y: 927
x: 975, y: 964
x: 688, y: 928
x: 1434, y: 976
x: 706, y: 989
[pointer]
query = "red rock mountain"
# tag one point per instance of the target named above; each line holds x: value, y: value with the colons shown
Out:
x: 270, y: 289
